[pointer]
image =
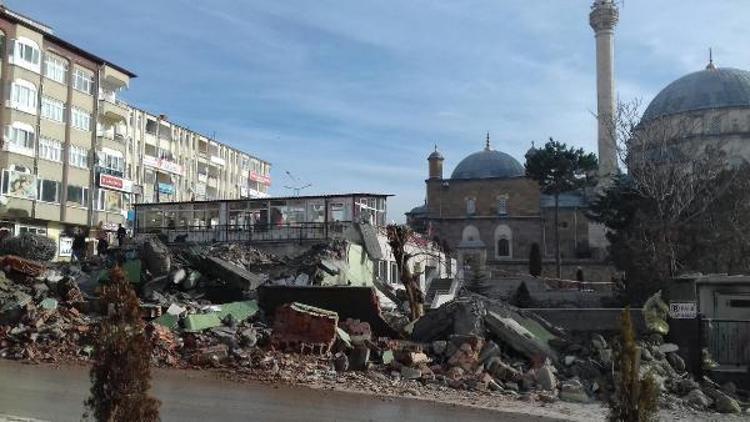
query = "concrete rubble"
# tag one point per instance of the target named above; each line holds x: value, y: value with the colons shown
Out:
x: 253, y: 314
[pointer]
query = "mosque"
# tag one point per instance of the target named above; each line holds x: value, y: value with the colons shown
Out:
x: 488, y: 213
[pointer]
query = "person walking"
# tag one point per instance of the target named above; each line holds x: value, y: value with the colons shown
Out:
x: 78, y: 249
x: 102, y: 244
x: 122, y: 234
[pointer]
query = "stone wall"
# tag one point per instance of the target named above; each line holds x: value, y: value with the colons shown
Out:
x: 592, y: 271
x: 589, y: 319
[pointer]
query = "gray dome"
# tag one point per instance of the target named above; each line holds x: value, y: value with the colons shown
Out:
x: 436, y: 155
x: 486, y: 164
x: 707, y: 89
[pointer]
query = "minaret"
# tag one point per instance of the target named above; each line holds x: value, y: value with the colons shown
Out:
x: 436, y: 164
x: 603, y: 18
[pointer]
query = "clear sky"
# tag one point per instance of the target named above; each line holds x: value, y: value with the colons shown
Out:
x: 352, y: 95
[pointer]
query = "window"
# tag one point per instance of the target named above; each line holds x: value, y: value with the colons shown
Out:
x: 83, y: 80
x: 80, y: 119
x: 502, y: 205
x: 47, y: 190
x: 394, y: 273
x: 78, y: 156
x: 78, y: 195
x: 503, y: 242
x: 110, y: 201
x: 471, y: 206
x: 112, y: 162
x: 715, y: 125
x: 50, y: 149
x: 19, y: 138
x: 23, y: 96
x: 33, y: 230
x: 25, y: 53
x: 503, y: 247
x: 53, y: 109
x: 55, y: 68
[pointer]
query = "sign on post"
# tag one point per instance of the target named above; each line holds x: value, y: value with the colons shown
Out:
x: 682, y: 310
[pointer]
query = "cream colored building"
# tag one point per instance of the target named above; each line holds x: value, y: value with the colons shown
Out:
x: 74, y: 155
x: 168, y: 162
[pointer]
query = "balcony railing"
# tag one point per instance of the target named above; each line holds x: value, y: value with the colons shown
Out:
x: 250, y: 232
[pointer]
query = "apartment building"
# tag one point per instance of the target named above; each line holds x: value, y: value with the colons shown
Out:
x: 168, y: 162
x: 74, y: 155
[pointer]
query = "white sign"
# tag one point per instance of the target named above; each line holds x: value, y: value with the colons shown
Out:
x: 66, y: 246
x: 682, y: 310
x: 218, y: 160
x: 162, y: 164
x: 116, y: 183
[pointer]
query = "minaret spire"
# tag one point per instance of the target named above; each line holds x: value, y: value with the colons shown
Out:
x: 603, y: 19
x: 710, y: 65
x: 487, y: 142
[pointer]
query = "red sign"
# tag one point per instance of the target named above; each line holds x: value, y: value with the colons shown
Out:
x: 266, y: 180
x: 116, y: 183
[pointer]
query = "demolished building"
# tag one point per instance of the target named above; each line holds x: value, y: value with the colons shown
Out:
x: 353, y: 223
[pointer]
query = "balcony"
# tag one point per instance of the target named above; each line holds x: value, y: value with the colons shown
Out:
x: 111, y: 110
x: 114, y: 77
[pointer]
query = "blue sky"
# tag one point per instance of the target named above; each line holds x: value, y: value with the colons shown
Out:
x: 352, y: 95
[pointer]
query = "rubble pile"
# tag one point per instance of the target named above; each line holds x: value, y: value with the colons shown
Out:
x: 41, y: 318
x: 255, y: 315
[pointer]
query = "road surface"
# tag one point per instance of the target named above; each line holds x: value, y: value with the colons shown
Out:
x: 57, y: 394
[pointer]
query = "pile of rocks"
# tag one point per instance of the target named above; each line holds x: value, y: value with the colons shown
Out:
x: 41, y: 318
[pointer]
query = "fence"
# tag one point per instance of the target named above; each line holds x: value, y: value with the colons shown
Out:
x: 728, y: 340
x: 250, y: 233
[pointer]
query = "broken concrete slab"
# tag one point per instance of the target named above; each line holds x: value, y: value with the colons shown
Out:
x: 233, y: 274
x: 239, y: 311
x: 200, y: 322
x: 168, y: 320
x: 518, y: 337
x: 48, y: 304
x: 156, y: 256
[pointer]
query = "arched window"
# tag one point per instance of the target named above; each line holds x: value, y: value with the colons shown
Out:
x: 23, y: 96
x: 470, y: 234
x: 25, y: 53
x: 503, y: 242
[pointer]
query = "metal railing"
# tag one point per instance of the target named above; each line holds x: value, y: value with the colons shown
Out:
x: 249, y: 233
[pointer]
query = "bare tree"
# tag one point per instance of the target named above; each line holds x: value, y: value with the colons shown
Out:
x: 678, y: 177
x: 398, y: 237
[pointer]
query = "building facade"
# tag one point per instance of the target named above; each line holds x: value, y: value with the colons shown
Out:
x: 168, y: 162
x: 490, y: 214
x: 74, y: 155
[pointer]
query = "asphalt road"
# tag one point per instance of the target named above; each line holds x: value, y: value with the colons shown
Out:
x: 57, y: 394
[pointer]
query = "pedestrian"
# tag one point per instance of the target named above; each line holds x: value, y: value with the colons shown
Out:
x: 121, y: 235
x: 102, y: 244
x: 78, y: 249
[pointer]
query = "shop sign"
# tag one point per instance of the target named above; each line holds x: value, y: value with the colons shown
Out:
x: 218, y: 160
x: 252, y: 193
x: 65, y: 247
x: 682, y: 310
x: 255, y: 177
x: 115, y: 183
x: 166, y: 188
x: 162, y: 164
x: 199, y: 189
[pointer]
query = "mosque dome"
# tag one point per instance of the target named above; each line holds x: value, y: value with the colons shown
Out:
x: 488, y: 163
x: 711, y: 88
